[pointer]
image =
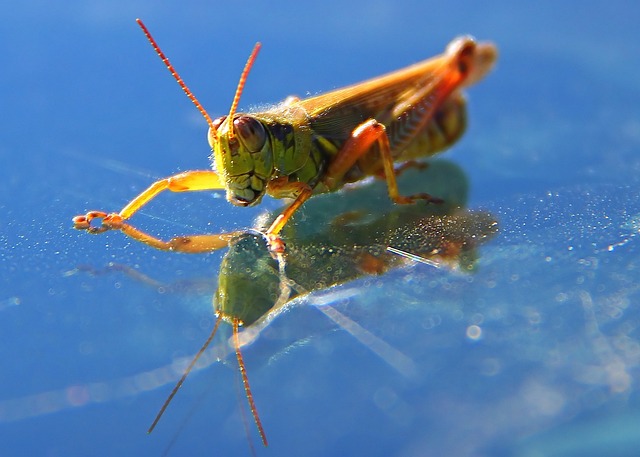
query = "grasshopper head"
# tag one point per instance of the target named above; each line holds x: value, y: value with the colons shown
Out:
x: 241, y: 150
x: 242, y: 157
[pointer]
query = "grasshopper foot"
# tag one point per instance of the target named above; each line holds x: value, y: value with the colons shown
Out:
x: 276, y: 245
x: 112, y: 221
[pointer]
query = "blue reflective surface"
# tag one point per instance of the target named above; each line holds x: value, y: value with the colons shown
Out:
x: 536, y: 353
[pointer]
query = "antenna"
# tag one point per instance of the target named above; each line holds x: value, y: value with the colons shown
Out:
x: 243, y: 80
x: 175, y: 75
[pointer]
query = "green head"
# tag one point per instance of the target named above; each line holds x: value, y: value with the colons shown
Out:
x: 241, y: 149
x: 248, y: 281
x: 242, y: 157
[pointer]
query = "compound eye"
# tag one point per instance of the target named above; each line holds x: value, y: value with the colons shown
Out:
x: 251, y: 133
x: 218, y: 122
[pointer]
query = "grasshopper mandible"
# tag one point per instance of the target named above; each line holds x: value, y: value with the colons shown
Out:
x: 318, y: 144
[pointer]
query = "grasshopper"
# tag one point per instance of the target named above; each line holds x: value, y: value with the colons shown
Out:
x: 306, y: 146
x: 319, y: 144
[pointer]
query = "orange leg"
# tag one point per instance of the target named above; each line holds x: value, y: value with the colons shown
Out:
x: 362, y: 139
x: 277, y: 188
x: 189, y: 181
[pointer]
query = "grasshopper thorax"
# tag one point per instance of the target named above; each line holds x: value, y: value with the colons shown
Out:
x: 242, y: 157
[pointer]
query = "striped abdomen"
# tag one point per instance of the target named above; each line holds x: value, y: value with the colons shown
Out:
x: 445, y: 127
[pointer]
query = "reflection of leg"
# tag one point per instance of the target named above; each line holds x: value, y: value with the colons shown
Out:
x: 120, y: 268
x: 193, y: 244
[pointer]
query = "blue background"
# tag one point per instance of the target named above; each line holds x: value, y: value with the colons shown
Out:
x: 90, y: 117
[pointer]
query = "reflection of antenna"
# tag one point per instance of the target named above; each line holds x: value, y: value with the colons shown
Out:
x: 176, y: 76
x: 243, y: 372
x: 245, y: 381
x: 240, y: 88
x: 186, y: 373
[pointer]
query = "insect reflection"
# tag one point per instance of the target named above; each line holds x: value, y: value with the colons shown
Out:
x: 368, y: 237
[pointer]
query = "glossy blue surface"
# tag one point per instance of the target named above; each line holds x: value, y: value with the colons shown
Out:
x: 91, y: 117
